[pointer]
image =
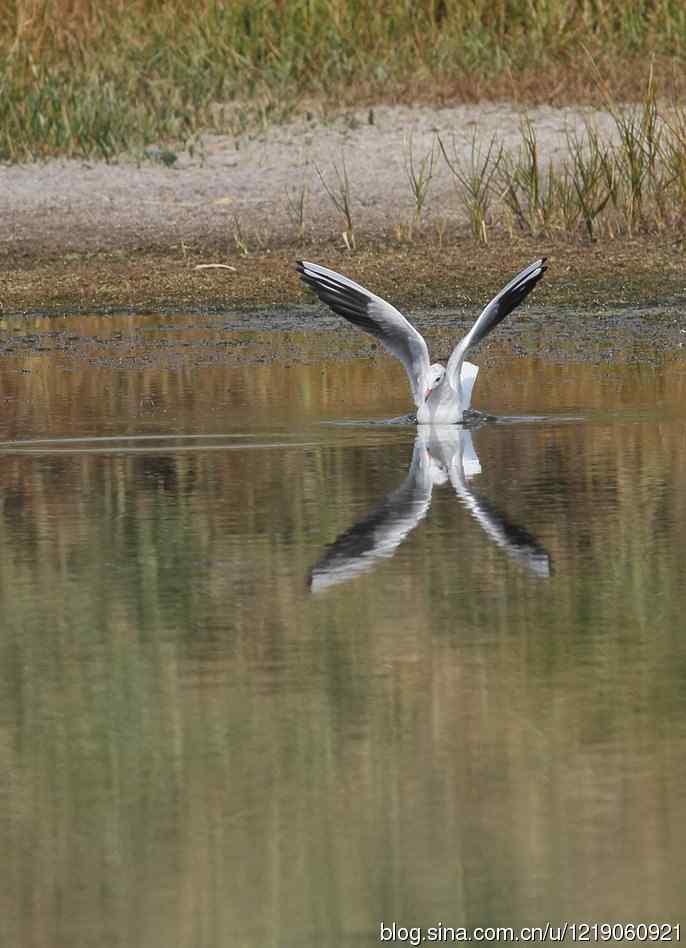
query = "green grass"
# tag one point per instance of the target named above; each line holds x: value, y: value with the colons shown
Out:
x: 631, y: 181
x: 94, y: 79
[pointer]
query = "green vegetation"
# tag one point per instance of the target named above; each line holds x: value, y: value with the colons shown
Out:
x: 631, y: 180
x: 80, y: 77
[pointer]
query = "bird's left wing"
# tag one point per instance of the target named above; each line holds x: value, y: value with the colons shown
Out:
x: 516, y: 541
x: 500, y: 306
x: 374, y: 315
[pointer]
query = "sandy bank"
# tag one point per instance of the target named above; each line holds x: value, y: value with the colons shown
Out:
x: 89, y: 235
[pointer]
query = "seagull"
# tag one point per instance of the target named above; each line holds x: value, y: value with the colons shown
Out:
x: 441, y: 393
x: 440, y: 454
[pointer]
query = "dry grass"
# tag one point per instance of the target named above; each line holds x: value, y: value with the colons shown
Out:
x: 628, y: 181
x: 87, y: 78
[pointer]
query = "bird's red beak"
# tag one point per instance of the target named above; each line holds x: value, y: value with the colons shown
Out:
x: 427, y: 393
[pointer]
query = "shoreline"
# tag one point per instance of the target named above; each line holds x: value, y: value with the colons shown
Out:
x: 464, y: 274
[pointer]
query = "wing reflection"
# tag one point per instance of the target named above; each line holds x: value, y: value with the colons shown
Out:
x: 441, y: 454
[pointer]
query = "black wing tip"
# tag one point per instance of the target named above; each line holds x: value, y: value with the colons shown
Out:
x: 309, y: 278
x: 304, y: 268
x: 540, y: 264
x: 528, y: 279
x: 308, y: 273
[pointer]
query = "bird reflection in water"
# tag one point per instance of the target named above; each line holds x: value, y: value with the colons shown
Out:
x: 441, y: 454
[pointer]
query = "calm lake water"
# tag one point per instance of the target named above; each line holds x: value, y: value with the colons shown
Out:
x: 220, y: 727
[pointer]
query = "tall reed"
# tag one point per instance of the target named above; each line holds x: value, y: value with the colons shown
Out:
x: 628, y: 180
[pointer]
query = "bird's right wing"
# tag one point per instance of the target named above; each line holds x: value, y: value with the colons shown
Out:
x: 374, y: 315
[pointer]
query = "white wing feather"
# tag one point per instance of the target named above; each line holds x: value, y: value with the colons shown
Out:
x: 374, y: 315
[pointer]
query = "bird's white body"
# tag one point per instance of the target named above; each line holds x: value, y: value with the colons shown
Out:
x: 447, y: 402
x: 441, y: 393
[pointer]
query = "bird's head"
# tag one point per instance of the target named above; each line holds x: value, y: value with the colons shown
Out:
x: 434, y: 378
x: 435, y: 466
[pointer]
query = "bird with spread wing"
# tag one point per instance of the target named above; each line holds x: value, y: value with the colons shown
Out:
x: 441, y: 393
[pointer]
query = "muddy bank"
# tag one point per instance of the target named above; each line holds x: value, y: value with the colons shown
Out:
x: 422, y: 275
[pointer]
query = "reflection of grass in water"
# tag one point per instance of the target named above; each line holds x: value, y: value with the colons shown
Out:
x: 82, y: 77
x: 180, y: 723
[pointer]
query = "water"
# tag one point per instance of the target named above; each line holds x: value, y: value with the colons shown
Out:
x: 218, y: 729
